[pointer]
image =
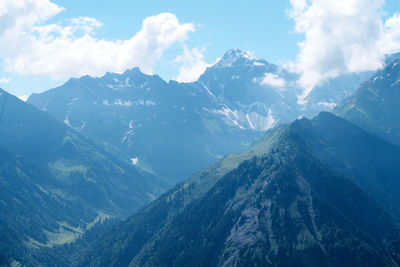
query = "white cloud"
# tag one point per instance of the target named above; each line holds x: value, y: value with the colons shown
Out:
x: 391, y: 34
x: 29, y: 46
x: 23, y: 97
x: 341, y: 36
x: 5, y: 80
x: 18, y: 16
x: 193, y: 65
x: 273, y: 80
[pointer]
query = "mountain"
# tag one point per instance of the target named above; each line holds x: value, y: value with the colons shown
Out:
x: 253, y: 93
x: 55, y: 184
x: 158, y: 125
x: 364, y: 158
x: 374, y: 106
x: 329, y: 94
x: 286, y: 201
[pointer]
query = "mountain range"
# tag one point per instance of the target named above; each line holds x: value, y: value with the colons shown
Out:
x: 159, y: 124
x: 268, y: 186
x: 320, y: 192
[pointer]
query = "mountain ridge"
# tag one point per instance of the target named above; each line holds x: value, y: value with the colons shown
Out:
x: 232, y: 104
x: 374, y: 105
x: 56, y: 184
x: 279, y: 206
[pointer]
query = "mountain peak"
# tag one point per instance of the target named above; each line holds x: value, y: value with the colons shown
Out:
x: 133, y: 71
x: 390, y: 58
x: 236, y: 57
x: 237, y: 53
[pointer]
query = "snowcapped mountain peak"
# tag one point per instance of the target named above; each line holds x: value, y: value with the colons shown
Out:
x: 237, y: 53
x: 237, y: 57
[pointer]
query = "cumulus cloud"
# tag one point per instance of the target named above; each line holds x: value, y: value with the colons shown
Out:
x: 29, y: 46
x: 391, y: 34
x: 17, y: 17
x: 341, y: 36
x: 273, y: 80
x: 193, y: 64
x: 5, y: 80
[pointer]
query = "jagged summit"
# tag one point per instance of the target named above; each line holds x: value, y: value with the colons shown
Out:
x: 133, y: 71
x: 236, y: 56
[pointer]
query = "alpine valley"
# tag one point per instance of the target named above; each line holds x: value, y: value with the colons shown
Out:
x: 239, y: 168
x: 55, y: 184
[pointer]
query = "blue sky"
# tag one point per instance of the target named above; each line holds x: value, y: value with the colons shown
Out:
x: 258, y: 25
x: 263, y: 27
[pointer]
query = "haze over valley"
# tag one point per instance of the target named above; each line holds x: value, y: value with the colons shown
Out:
x: 159, y: 134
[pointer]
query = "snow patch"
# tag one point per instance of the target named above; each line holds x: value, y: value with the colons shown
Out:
x: 119, y: 84
x: 128, y: 134
x: 232, y: 56
x: 144, y: 84
x: 207, y: 89
x: 134, y: 161
x: 120, y: 102
x: 258, y: 64
x: 127, y: 82
x: 259, y: 122
x: 302, y: 99
x: 73, y: 101
x: 270, y: 119
x: 230, y: 115
x: 395, y: 83
x: 66, y: 121
x: 141, y: 102
x: 150, y: 103
x: 328, y: 105
x: 247, y: 119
